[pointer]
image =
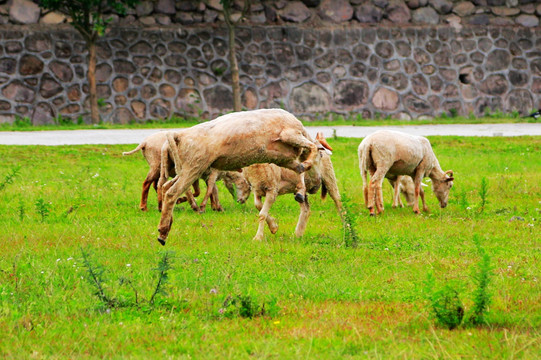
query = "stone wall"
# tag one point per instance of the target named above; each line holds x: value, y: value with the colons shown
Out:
x: 405, y: 72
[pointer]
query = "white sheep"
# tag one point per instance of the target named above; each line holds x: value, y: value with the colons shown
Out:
x: 389, y: 154
x: 234, y: 141
x: 270, y: 181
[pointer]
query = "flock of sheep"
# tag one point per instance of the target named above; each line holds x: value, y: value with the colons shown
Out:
x: 269, y: 152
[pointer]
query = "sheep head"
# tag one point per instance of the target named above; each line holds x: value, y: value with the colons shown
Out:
x: 441, y: 187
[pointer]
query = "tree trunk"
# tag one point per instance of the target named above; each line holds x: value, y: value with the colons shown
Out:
x: 93, y: 93
x: 235, y: 81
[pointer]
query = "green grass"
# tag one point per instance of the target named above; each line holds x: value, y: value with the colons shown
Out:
x: 334, y: 301
x: 318, y: 120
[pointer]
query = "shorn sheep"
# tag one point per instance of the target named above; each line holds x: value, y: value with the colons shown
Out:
x: 270, y: 181
x: 388, y: 154
x: 151, y: 147
x: 234, y: 141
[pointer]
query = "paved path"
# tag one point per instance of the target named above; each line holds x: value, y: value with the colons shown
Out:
x: 79, y: 137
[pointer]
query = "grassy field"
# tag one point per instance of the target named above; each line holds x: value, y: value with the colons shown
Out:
x: 321, y: 298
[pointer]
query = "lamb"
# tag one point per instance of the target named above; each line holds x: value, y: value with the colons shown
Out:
x: 389, y: 154
x: 403, y: 184
x: 270, y: 180
x: 234, y: 141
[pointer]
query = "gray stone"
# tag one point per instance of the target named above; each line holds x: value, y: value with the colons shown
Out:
x: 385, y: 99
x: 165, y: 7
x: 368, y: 13
x: 415, y: 4
x: 144, y: 8
x: 527, y: 20
x: 295, y: 11
x: 219, y: 98
x: 160, y: 108
x: 425, y: 15
x: 53, y: 18
x: 103, y: 72
x: 416, y: 104
x: 61, y: 70
x: 336, y: 11
x: 464, y: 8
x: 398, y: 12
x: 123, y: 67
x: 494, y: 85
x: 498, y: 60
x: 18, y: 92
x: 309, y: 98
x: 121, y: 116
x: 350, y: 94
x: 519, y: 99
x: 49, y: 86
x: 443, y: 7
x: 30, y: 65
x: 24, y: 12
x: 384, y: 49
x: 43, y: 114
x: 419, y: 84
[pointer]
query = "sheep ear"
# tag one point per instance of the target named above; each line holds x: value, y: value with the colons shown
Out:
x: 449, y: 172
x: 322, y: 141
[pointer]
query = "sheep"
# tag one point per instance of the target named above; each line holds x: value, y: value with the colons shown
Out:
x: 151, y: 148
x: 234, y: 141
x: 389, y: 154
x: 404, y: 184
x: 270, y: 180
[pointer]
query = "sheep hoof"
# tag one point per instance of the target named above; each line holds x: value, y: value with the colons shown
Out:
x: 161, y: 241
x: 299, y: 198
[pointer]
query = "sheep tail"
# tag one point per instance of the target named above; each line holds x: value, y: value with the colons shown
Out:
x: 139, y: 147
x: 173, y: 148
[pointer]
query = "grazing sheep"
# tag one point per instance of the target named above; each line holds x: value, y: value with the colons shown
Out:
x: 389, y: 154
x: 151, y: 148
x: 270, y: 180
x: 404, y: 184
x: 234, y: 141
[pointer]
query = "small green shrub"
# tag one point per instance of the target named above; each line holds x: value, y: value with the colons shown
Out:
x: 247, y: 306
x: 8, y: 179
x: 349, y: 218
x: 481, y: 277
x: 447, y: 307
x: 43, y: 208
x: 483, y: 191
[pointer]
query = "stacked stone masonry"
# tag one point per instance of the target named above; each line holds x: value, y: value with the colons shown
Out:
x: 143, y: 73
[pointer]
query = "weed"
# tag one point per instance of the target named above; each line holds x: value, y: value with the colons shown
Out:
x: 446, y: 306
x: 349, y: 217
x: 21, y: 210
x: 483, y: 191
x: 481, y: 278
x: 247, y: 306
x: 163, y: 277
x: 8, y: 179
x: 22, y: 121
x: 43, y: 208
x: 453, y: 113
x: 96, y: 279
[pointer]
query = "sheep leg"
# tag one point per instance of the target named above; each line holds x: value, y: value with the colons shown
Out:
x: 179, y: 186
x: 422, y: 194
x: 270, y: 198
x: 397, y: 201
x: 417, y: 182
x: 300, y: 190
x: 215, y: 201
x: 151, y: 178
x: 375, y: 194
x: 303, y: 218
x: 211, y: 183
